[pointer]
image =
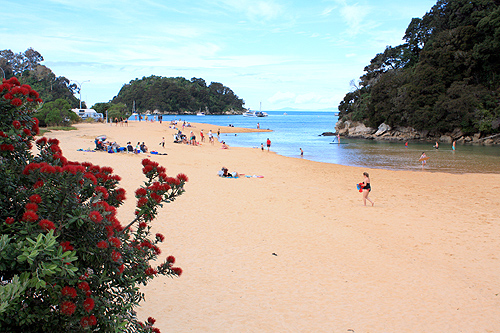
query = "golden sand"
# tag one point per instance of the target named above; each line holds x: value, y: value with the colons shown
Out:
x: 296, y: 251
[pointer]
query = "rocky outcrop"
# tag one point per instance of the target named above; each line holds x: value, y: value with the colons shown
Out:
x: 354, y: 129
x: 351, y: 129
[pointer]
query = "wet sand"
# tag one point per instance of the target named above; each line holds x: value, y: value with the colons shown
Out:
x: 296, y: 251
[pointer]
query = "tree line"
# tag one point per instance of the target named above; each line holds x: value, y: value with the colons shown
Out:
x: 445, y: 76
x: 154, y: 93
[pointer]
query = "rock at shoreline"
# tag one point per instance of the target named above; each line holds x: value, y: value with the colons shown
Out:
x: 352, y: 129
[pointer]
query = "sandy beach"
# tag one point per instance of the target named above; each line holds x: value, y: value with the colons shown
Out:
x: 296, y: 250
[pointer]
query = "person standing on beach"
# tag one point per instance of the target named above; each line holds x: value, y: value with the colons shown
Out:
x: 202, y: 136
x: 162, y: 143
x: 210, y: 137
x: 301, y: 152
x: 366, y: 188
x: 258, y: 126
x: 218, y: 133
x: 268, y: 142
x: 262, y: 146
x: 453, y: 145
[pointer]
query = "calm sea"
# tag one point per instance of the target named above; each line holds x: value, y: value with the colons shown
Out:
x: 302, y: 129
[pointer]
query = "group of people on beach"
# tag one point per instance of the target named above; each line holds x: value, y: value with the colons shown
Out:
x: 113, y: 147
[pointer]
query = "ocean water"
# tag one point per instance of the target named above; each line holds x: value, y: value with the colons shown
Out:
x: 302, y: 129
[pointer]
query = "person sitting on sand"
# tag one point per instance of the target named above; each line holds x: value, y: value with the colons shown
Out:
x: 225, y: 173
x: 224, y: 146
x: 144, y: 148
x: 130, y: 149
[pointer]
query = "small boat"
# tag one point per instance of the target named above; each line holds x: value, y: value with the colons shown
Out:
x: 261, y: 114
x: 249, y: 114
x: 201, y: 114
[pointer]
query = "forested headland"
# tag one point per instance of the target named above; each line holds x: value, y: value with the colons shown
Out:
x: 177, y: 95
x: 443, y: 82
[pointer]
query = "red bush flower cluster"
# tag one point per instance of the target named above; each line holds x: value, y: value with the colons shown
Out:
x: 65, y: 239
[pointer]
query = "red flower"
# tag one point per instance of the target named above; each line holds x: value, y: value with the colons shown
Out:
x: 150, y: 271
x: 141, y: 192
x: 46, y: 225
x: 160, y: 237
x: 68, y: 308
x: 95, y: 216
x: 66, y: 246
x: 115, y: 241
x: 84, y: 286
x: 155, y: 330
x: 69, y: 291
x: 182, y: 177
x: 35, y: 198
x: 171, y: 259
x: 142, y: 225
x: 90, y: 177
x: 177, y: 270
x: 151, y: 320
x: 102, y: 245
x: 31, y: 206
x: 30, y: 216
x: 26, y: 131
x: 16, y: 102
x: 7, y: 147
x: 141, y: 202
x: 115, y: 255
x: 9, y: 220
x: 16, y: 124
x: 38, y: 184
x: 88, y: 304
x: 156, y: 197
x: 103, y: 190
x: 88, y: 321
x: 121, y: 268
x: 147, y: 169
x: 42, y: 141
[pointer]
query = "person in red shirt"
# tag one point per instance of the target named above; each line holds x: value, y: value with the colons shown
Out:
x: 268, y: 144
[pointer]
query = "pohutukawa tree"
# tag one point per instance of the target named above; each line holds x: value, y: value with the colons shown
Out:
x: 66, y: 263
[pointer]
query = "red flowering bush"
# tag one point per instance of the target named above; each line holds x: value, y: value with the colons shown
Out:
x: 67, y: 263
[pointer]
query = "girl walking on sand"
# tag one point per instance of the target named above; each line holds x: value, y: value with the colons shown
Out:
x: 366, y: 188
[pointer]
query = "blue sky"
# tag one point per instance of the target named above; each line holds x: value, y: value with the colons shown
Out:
x: 283, y: 53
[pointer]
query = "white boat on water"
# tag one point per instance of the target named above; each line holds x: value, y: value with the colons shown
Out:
x: 255, y: 114
x: 201, y: 114
x: 250, y: 113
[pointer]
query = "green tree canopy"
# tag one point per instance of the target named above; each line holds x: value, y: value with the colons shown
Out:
x: 169, y: 94
x: 57, y: 113
x: 445, y: 76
